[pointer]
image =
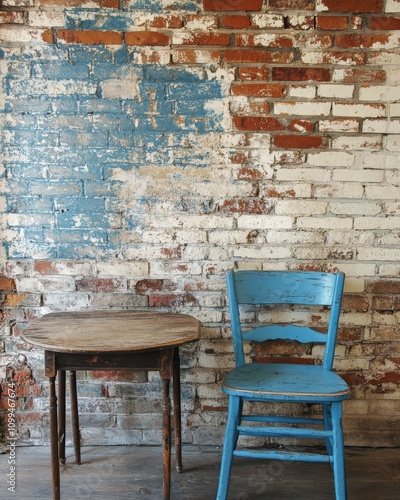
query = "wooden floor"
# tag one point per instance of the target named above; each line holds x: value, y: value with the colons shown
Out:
x: 116, y: 472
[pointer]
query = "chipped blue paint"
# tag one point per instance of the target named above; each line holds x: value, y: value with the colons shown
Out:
x: 69, y: 137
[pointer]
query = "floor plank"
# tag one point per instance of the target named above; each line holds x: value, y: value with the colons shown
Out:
x: 121, y: 472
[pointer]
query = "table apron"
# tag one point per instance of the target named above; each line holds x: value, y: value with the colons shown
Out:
x: 160, y: 360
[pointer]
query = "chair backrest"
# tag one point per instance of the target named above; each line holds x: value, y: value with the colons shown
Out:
x: 307, y: 288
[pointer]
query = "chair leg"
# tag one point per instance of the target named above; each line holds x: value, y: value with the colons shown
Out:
x: 231, y: 436
x: 327, y: 414
x: 338, y: 452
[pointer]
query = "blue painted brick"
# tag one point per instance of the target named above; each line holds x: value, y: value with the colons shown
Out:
x: 60, y: 70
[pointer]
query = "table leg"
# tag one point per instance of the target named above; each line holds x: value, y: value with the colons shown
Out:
x: 55, y: 466
x: 176, y: 388
x: 61, y: 415
x: 166, y: 405
x: 75, y: 416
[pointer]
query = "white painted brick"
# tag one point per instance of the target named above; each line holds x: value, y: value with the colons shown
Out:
x: 384, y: 58
x: 337, y: 237
x: 264, y: 252
x: 19, y: 34
x: 118, y: 268
x: 371, y: 161
x: 381, y: 126
x: 355, y: 208
x: 336, y: 91
x: 338, y: 189
x: 302, y: 108
x: 358, y: 143
x: 389, y: 270
x: 378, y: 254
x: 299, y: 207
x: 302, y: 91
x: 311, y: 253
x: 46, y: 284
x: 43, y: 19
x: 379, y: 93
x: 228, y: 237
x: 324, y: 223
x: 295, y: 237
x: 348, y: 365
x: 394, y: 109
x: 377, y: 223
x: 382, y: 192
x: 264, y: 222
x: 354, y: 176
x: 289, y: 190
x: 303, y: 174
x: 339, y: 125
x: 357, y: 110
x: 393, y: 177
x: 262, y: 21
x: 393, y: 143
x: 331, y: 159
x: 189, y: 221
x: 392, y: 6
x: 355, y: 271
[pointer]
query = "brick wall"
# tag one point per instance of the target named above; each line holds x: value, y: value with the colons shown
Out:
x: 147, y: 147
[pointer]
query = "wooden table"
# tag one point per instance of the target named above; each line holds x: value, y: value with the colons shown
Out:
x: 111, y: 340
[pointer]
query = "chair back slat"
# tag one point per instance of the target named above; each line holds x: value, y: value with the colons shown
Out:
x: 307, y: 288
x: 296, y: 333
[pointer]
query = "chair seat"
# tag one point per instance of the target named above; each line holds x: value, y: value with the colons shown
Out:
x: 285, y: 382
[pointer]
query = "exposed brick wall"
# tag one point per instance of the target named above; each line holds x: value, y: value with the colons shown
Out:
x: 148, y: 147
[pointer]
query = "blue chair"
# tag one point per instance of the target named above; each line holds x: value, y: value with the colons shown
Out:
x: 280, y: 382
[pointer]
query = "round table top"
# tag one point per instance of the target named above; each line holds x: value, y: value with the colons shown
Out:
x: 111, y: 331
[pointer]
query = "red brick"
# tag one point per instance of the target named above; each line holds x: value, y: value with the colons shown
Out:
x: 252, y: 73
x: 236, y: 22
x: 90, y: 37
x: 298, y: 141
x: 362, y: 41
x: 219, y: 39
x: 100, y: 284
x: 171, y: 300
x: 259, y: 89
x: 299, y: 125
x: 257, y: 56
x: 151, y: 38
x: 355, y: 303
x: 7, y: 284
x: 160, y: 22
x: 332, y: 23
x: 383, y: 303
x: 257, y: 123
x: 249, y: 206
x: 232, y: 5
x: 301, y: 74
x: 351, y: 333
x: 384, y: 286
x: 45, y: 267
x: 48, y: 36
x: 292, y: 4
x: 353, y: 5
x: 384, y: 23
x: 249, y: 174
x: 151, y: 285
